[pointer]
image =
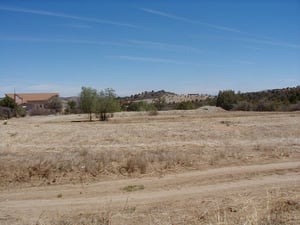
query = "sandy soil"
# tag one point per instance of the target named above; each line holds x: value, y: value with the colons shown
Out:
x: 232, y: 168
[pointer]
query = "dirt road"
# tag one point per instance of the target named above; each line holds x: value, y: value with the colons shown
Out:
x: 29, y: 205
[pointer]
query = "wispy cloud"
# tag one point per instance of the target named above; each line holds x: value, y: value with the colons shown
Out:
x: 288, y: 79
x: 164, y: 46
x: 161, y: 60
x: 79, y: 26
x: 67, y: 16
x: 128, y: 43
x: 248, y: 38
x: 268, y: 42
x: 187, y: 20
x: 64, y: 41
x: 152, y: 60
x: 62, y: 90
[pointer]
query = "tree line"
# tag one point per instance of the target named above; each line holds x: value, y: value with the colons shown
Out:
x: 287, y: 99
x: 105, y: 102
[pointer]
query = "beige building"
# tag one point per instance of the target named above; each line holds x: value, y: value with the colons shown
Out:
x: 33, y: 101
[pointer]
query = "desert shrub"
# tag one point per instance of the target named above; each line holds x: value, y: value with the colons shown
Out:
x: 243, y: 106
x: 135, y: 163
x: 5, y: 112
x: 84, y: 165
x: 153, y: 113
x: 102, y: 218
x: 160, y: 103
x: 141, y: 106
x: 40, y: 112
x: 131, y: 188
x: 185, y: 106
x: 294, y: 107
x: 281, y: 211
x: 21, y: 112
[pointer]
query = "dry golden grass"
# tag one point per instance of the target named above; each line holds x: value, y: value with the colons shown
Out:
x: 45, y: 150
x: 273, y: 206
x: 60, y: 150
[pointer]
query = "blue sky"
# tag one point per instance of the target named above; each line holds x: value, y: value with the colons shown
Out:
x: 199, y: 46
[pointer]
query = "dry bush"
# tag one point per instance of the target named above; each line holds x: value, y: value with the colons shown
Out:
x: 103, y: 218
x: 276, y: 207
x: 84, y: 165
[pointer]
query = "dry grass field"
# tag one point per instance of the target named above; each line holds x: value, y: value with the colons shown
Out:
x: 202, y: 166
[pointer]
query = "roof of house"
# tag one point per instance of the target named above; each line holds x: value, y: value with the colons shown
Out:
x: 32, y: 97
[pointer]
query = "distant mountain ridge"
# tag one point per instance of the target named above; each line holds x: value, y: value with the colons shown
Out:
x: 169, y: 97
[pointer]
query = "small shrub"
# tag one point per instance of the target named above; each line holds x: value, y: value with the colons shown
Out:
x: 131, y: 188
x: 103, y: 218
x: 185, y: 106
x: 153, y: 113
x: 59, y: 195
x: 134, y: 164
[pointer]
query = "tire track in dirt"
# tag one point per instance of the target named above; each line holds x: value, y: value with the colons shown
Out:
x: 29, y: 203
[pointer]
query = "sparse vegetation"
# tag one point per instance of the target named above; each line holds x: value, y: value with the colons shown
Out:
x: 141, y: 106
x: 185, y: 106
x: 171, y: 154
x: 270, y: 100
x: 8, y: 109
x: 270, y: 209
x: 103, y: 218
x: 131, y: 188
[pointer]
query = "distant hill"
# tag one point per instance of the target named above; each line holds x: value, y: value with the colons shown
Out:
x: 169, y: 97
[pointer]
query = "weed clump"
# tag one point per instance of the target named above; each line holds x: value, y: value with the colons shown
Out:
x: 131, y: 188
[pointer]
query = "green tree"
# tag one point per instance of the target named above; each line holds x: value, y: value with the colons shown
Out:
x: 88, y: 100
x: 55, y: 104
x: 160, y: 103
x: 8, y: 102
x: 226, y: 99
x: 71, y: 106
x: 15, y: 110
x: 141, y: 106
x: 107, y: 102
x: 185, y: 105
x: 8, y: 107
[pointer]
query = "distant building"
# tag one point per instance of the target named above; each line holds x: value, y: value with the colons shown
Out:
x: 33, y: 101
